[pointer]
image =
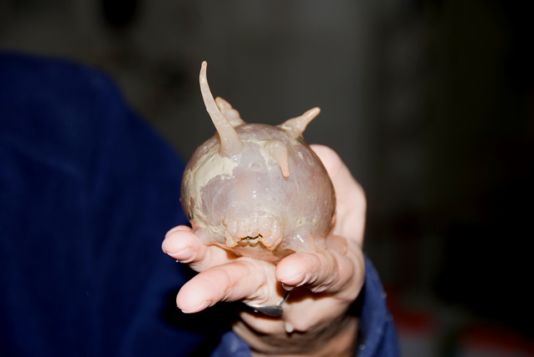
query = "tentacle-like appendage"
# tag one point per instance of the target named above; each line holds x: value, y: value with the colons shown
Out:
x: 230, y: 143
x: 278, y: 152
x: 230, y: 113
x: 296, y: 126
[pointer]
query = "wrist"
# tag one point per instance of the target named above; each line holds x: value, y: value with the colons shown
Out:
x: 337, y: 338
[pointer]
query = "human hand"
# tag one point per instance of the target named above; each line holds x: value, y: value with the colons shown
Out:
x: 323, y: 284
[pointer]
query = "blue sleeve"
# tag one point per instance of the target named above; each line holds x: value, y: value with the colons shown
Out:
x: 376, y: 335
x: 87, y: 192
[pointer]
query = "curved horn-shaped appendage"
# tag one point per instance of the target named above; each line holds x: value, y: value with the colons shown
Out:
x: 230, y: 143
x: 296, y: 126
x: 278, y: 152
x: 229, y: 112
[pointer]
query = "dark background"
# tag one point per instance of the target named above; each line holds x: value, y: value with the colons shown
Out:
x: 430, y: 103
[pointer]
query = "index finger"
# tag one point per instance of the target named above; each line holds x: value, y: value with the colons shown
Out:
x: 250, y: 280
x: 350, y: 197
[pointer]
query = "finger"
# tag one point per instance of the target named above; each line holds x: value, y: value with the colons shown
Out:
x: 183, y: 245
x: 244, y: 279
x: 330, y: 159
x: 326, y: 271
x: 351, y: 203
x: 338, y: 171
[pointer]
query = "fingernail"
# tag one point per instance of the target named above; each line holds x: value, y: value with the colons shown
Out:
x: 289, y: 328
x: 292, y: 278
x: 287, y: 287
x: 183, y: 255
x: 305, y: 280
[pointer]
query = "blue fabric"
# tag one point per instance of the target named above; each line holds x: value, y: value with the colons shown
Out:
x: 87, y: 192
x: 377, y: 336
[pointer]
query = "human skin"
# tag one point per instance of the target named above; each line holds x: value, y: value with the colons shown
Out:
x: 315, y: 321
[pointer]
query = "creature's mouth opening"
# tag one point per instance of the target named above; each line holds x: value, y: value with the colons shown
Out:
x: 248, y: 240
x: 263, y: 232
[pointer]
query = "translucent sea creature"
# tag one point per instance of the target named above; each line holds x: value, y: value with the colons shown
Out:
x: 255, y: 189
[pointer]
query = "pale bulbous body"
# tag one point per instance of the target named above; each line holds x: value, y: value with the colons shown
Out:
x: 245, y: 204
x: 257, y: 190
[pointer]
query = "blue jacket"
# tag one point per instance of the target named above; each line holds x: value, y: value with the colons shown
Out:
x: 87, y: 192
